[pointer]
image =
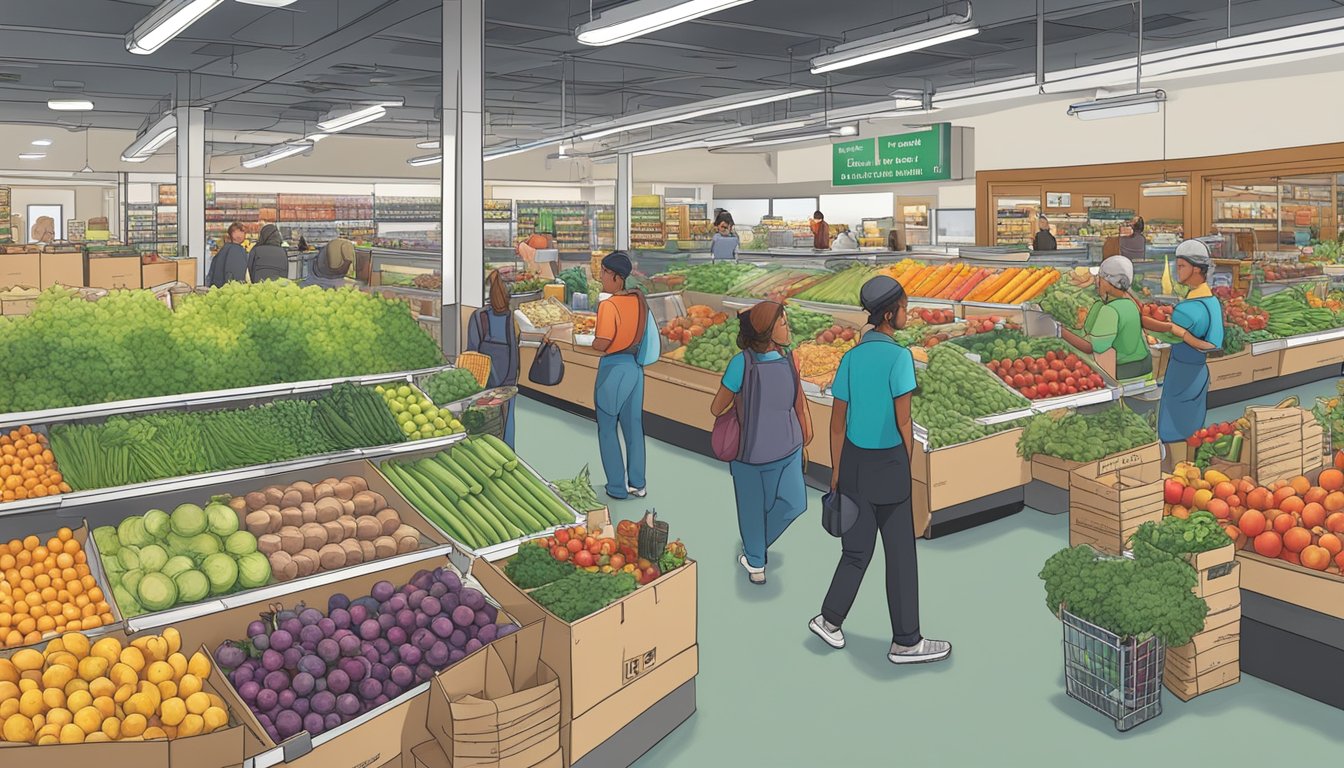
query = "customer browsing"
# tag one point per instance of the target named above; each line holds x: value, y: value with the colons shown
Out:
x: 627, y: 338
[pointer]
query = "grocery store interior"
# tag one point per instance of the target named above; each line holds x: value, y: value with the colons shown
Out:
x: 325, y: 441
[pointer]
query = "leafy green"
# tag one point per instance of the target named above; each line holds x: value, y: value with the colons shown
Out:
x: 583, y: 593
x: 953, y: 392
x: 1062, y: 300
x: 1176, y: 536
x: 1085, y: 437
x: 578, y: 492
x: 534, y: 567
x: 451, y: 386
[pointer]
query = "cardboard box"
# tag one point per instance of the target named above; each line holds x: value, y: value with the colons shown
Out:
x: 65, y: 269
x: 1109, y: 499
x: 1232, y: 371
x: 997, y: 467
x: 587, y: 731
x: 1223, y: 601
x: 428, y: 755
x: 18, y: 527
x: 1318, y: 591
x: 20, y: 269
x: 186, y: 271
x: 1265, y: 366
x: 1186, y: 690
x: 17, y: 307
x: 159, y: 273
x: 499, y: 708
x: 1203, y: 561
x: 1219, y: 578
x: 1052, y: 470
x: 1187, y: 664
x: 114, y: 272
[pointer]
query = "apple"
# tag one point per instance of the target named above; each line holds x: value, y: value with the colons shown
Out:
x: 1188, y: 497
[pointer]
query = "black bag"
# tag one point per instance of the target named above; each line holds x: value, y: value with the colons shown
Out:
x: 548, y: 369
x: 838, y: 513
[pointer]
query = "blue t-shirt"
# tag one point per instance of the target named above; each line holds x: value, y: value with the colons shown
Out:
x: 870, y: 377
x: 723, y: 246
x: 732, y: 376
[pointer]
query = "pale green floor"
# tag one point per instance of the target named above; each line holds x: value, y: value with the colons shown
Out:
x: 771, y: 694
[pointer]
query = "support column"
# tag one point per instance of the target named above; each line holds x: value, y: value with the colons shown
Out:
x: 623, y: 202
x: 463, y: 168
x: 191, y: 187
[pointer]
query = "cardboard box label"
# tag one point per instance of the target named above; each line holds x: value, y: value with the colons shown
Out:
x: 1124, y: 460
x: 638, y: 665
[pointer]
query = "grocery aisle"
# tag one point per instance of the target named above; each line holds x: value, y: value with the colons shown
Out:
x: 771, y: 694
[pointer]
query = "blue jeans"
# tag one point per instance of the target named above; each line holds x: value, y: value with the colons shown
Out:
x: 619, y: 401
x: 508, y: 423
x: 769, y: 498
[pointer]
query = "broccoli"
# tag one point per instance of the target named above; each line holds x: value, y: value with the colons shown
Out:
x: 534, y: 567
x: 583, y: 593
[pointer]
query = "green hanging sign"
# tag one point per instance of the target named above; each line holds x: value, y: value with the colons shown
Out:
x: 923, y: 155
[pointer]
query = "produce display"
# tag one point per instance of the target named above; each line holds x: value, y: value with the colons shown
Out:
x: 428, y: 281
x: 716, y: 277
x: 953, y: 392
x: 304, y: 528
x: 1085, y: 436
x: 1290, y: 314
x: 28, y: 612
x: 27, y: 467
x: 681, y: 330
x: 578, y: 492
x: 1200, y: 532
x: 543, y: 313
x: 128, y: 344
x: 805, y: 324
x: 840, y: 288
x: 583, y: 593
x: 1038, y: 368
x: 78, y: 691
x: 1015, y: 285
x: 417, y: 416
x: 575, y: 280
x: 125, y: 450
x: 303, y: 669
x: 527, y: 282
x: 1069, y: 302
x: 450, y: 386
x: 1236, y: 311
x: 1219, y: 441
x: 926, y: 316
x: 1289, y: 271
x: 944, y: 281
x: 478, y: 493
x: 777, y: 284
x: 818, y: 361
x: 1329, y: 413
x: 715, y: 348
x: 584, y: 324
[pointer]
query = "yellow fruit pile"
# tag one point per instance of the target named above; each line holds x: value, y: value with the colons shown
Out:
x: 73, y: 692
x: 46, y: 588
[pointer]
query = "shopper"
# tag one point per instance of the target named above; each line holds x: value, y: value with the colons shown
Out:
x: 1134, y: 245
x: 492, y: 333
x: 621, y: 336
x: 821, y: 232
x: 230, y: 263
x: 763, y: 386
x: 871, y: 448
x: 332, y: 264
x: 1198, y: 322
x: 1044, y: 240
x: 1115, y: 323
x: 724, y: 245
x: 845, y: 241
x: 269, y: 260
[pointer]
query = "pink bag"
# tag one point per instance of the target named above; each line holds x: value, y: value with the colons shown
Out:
x: 726, y: 439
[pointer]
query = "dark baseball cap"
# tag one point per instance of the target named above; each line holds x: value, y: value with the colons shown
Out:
x: 618, y: 262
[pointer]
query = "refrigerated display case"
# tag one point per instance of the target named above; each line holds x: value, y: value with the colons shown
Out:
x: 1015, y: 220
x: 915, y: 217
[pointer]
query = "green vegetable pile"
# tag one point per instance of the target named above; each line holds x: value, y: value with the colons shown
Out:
x: 1329, y: 413
x: 583, y: 594
x: 804, y: 324
x: 70, y: 351
x: 578, y: 492
x: 1290, y: 315
x: 954, y: 391
x: 450, y: 386
x: 534, y: 567
x: 528, y: 284
x: 715, y: 348
x: 575, y: 280
x: 1175, y: 536
x: 843, y: 288
x: 1006, y: 344
x: 1133, y: 598
x: 718, y: 277
x: 1063, y: 300
x: 1085, y: 437
x: 1235, y: 338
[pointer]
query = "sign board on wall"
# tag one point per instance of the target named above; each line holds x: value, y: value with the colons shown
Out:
x: 923, y: 155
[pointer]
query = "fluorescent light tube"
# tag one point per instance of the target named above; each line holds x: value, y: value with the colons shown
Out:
x: 351, y: 119
x: 32, y: 155
x: 420, y: 162
x: 149, y: 142
x: 1145, y: 103
x: 495, y: 153
x: 70, y: 105
x: 641, y: 17
x: 41, y: 142
x: 694, y: 110
x: 428, y: 144
x: 165, y: 22
x: 268, y: 3
x: 936, y: 32
x: 280, y: 153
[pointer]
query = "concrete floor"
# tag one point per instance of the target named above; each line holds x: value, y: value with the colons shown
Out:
x: 772, y: 694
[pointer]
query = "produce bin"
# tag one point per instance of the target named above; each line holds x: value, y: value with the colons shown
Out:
x: 19, y: 527
x: 1118, y: 677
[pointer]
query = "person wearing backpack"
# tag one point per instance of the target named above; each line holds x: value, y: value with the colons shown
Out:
x: 762, y: 391
x: 627, y: 338
x: 492, y: 333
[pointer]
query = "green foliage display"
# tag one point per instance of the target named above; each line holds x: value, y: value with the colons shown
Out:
x: 953, y: 392
x: 715, y: 348
x: 1176, y: 536
x: 1085, y: 437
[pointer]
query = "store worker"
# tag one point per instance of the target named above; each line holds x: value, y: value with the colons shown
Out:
x: 821, y: 232
x: 1134, y: 245
x: 763, y: 386
x: 230, y: 262
x: 627, y: 338
x: 1044, y: 240
x: 871, y: 448
x: 492, y: 333
x: 332, y: 263
x: 1115, y: 323
x: 269, y: 260
x: 724, y: 245
x: 1198, y: 322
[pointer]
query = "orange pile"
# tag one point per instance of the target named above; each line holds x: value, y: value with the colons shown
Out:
x: 27, y: 468
x: 47, y: 588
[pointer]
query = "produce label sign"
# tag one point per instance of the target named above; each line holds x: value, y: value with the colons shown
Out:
x: 924, y: 155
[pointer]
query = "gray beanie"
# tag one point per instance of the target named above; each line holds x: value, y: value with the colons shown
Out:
x: 1196, y: 253
x: 1118, y: 271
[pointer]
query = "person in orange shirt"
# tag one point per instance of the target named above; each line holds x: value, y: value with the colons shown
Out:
x: 622, y: 336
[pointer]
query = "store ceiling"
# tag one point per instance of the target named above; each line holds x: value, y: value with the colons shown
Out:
x: 269, y: 73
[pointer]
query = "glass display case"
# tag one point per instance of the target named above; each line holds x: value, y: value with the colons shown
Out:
x: 915, y: 217
x: 1015, y: 219
x: 413, y: 277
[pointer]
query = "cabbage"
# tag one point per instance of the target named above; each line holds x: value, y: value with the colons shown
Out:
x: 129, y: 557
x: 188, y: 520
x: 157, y: 592
x: 131, y: 579
x: 126, y: 602
x: 254, y: 570
x: 176, y: 565
x: 222, y: 519
x: 222, y: 572
x: 192, y: 585
x: 132, y: 532
x: 202, y: 545
x: 240, y: 543
x: 156, y: 523
x: 105, y: 537
x: 152, y: 558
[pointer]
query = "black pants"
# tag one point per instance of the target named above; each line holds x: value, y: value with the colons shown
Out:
x: 879, y: 482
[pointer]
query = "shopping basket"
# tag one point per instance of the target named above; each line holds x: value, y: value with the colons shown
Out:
x: 477, y: 364
x: 486, y: 413
x: 1119, y: 677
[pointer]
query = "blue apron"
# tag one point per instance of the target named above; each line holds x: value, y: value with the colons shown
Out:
x: 1185, y: 387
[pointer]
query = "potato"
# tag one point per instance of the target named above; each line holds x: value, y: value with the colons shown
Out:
x: 255, y: 500
x: 257, y: 523
x: 344, y: 491
x: 385, y: 546
x: 277, y: 522
x: 283, y: 567
x: 274, y: 494
x: 368, y: 528
x: 389, y: 519
x: 305, y: 490
x: 291, y: 516
x: 335, y: 531
x: 291, y: 540
x: 348, y: 507
x: 306, y: 563
x: 292, y: 498
x: 359, y: 483
x: 268, y: 544
x: 405, y: 531
x: 379, y: 501
x: 348, y: 526
x: 239, y: 504
x: 327, y: 509
x: 367, y: 551
x: 331, y: 481
x: 323, y: 490
x: 408, y: 544
x: 307, y: 506
x: 314, y: 535
x: 309, y: 514
x: 332, y: 556
x: 364, y: 503
x: 354, y: 554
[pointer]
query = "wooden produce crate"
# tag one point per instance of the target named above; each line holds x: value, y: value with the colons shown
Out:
x: 1211, y: 660
x: 1111, y: 498
x: 1284, y: 443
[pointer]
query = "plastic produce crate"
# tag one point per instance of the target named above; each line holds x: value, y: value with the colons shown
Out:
x: 1121, y: 678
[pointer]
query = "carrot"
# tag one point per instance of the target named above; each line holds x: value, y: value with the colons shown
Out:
x: 933, y: 288
x: 969, y: 285
x: 912, y: 278
x: 929, y: 280
x: 1034, y: 287
x: 988, y: 288
x: 1011, y: 287
x: 955, y: 285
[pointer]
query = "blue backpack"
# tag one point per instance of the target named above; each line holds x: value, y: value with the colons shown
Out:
x: 649, y: 346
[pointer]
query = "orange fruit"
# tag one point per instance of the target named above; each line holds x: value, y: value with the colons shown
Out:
x: 1261, y: 499
x: 1286, y: 492
x: 1293, y: 505
x: 1219, y: 509
x: 1300, y: 484
x: 1331, y: 543
x: 1313, y: 515
x: 1332, y: 480
x: 1316, y: 494
x: 1334, y: 522
x: 1268, y: 544
x: 1223, y: 490
x: 1296, y: 539
x: 1283, y: 522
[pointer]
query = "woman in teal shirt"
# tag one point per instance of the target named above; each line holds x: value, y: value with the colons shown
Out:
x: 871, y: 447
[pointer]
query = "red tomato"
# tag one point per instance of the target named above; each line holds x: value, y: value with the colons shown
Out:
x: 1051, y: 356
x: 560, y: 553
x: 575, y: 545
x: 1208, y: 440
x: 1029, y: 392
x: 562, y: 536
x: 1054, y: 388
x: 1193, y: 441
x: 1051, y: 376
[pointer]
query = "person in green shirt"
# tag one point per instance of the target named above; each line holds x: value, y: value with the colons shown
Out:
x: 1115, y: 323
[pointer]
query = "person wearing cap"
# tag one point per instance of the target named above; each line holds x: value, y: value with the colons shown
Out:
x: 621, y: 336
x: 1115, y: 323
x: 871, y: 447
x: 1198, y: 322
x: 1044, y: 240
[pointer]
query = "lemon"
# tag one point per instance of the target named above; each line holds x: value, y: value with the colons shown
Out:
x: 199, y: 665
x: 96, y: 736
x: 8, y: 672
x: 53, y: 698
x: 155, y: 733
x: 79, y: 700
x: 93, y: 667
x: 197, y: 703
x: 215, y: 718
x: 133, y: 658
x: 174, y: 640
x: 112, y: 727
x: 8, y: 690
x: 139, y: 704
x: 59, y: 717
x: 30, y: 681
x: 30, y: 703
x: 108, y: 648
x: 172, y: 711
x: 71, y: 734
x: 27, y: 660
x: 123, y: 694
x: 123, y: 674
x: 49, y: 730
x: 102, y: 687
x: 188, y: 685
x: 18, y: 728
x: 75, y: 685
x: 48, y: 740
x: 133, y: 725
x: 9, y: 708
x: 167, y: 689
x: 158, y: 672
x: 75, y: 643
x: 179, y: 664
x: 64, y: 658
x: 217, y: 702
x: 105, y: 705
x: 192, y: 725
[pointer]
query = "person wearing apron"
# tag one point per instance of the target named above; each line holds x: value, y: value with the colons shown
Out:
x: 332, y: 264
x: 492, y: 333
x: 762, y: 382
x: 1198, y: 321
x: 1115, y: 322
x: 618, y: 395
x: 871, y: 446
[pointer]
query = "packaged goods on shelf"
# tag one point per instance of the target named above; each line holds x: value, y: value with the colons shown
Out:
x: 407, y: 209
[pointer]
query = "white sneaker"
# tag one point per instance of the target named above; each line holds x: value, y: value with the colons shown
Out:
x: 638, y: 493
x: 828, y: 633
x: 927, y: 650
x: 756, y: 575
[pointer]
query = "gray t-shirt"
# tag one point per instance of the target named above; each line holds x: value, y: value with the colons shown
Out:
x: 1133, y: 246
x: 723, y: 246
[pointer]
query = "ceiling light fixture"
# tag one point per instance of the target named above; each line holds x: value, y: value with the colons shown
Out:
x: 694, y: 110
x: 420, y: 162
x: 70, y: 105
x: 835, y: 133
x: 495, y: 153
x: 165, y: 22
x: 640, y: 17
x: 427, y: 144
x: 349, y: 120
x: 944, y: 29
x: 148, y: 143
x: 1164, y: 188
x: 32, y: 155
x: 1142, y: 103
x: 279, y: 153
x: 268, y: 3
x: 41, y: 142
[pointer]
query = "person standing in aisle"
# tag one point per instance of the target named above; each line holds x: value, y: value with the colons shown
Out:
x: 1134, y: 245
x: 230, y: 262
x: 1044, y: 240
x: 268, y: 260
x: 1198, y: 322
x: 622, y: 337
x: 821, y: 233
x: 1115, y: 322
x: 332, y: 263
x: 871, y: 446
x: 763, y: 385
x: 724, y: 245
x: 492, y: 333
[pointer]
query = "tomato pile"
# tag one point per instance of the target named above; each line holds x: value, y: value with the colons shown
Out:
x: 598, y: 555
x: 1238, y: 312
x: 1049, y: 376
x: 933, y: 316
x: 1211, y: 433
x: 1157, y: 311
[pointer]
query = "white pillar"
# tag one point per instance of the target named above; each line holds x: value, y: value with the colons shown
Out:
x: 190, y: 178
x: 463, y: 172
x: 623, y: 202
